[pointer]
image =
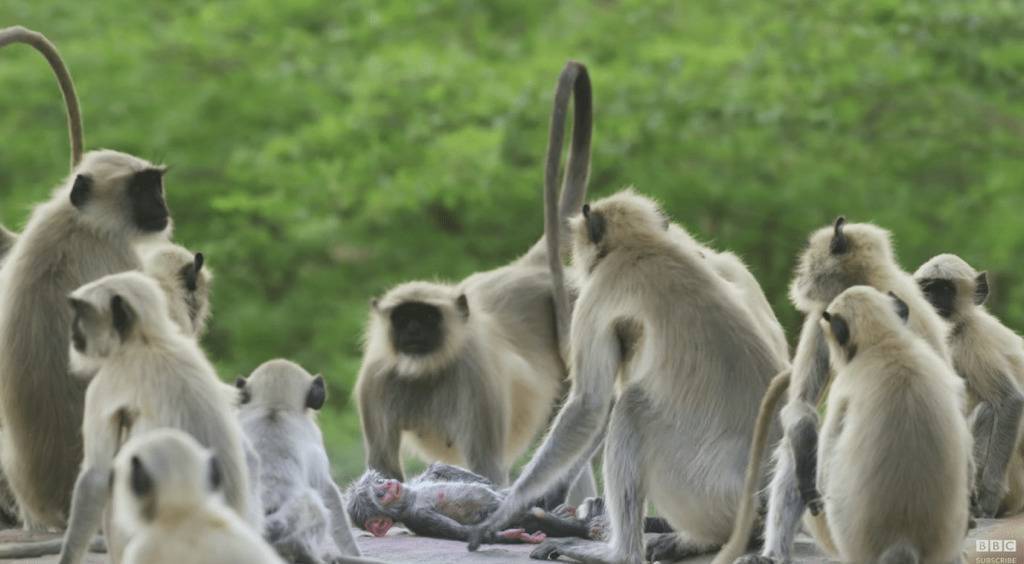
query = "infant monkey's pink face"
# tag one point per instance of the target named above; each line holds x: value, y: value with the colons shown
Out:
x: 378, y: 526
x: 387, y: 491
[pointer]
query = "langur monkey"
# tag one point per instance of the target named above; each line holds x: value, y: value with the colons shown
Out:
x: 87, y: 230
x: 894, y: 444
x: 469, y: 373
x: 305, y: 513
x: 148, y: 375
x: 182, y: 276
x: 678, y: 398
x: 170, y: 491
x: 990, y: 357
x: 836, y: 258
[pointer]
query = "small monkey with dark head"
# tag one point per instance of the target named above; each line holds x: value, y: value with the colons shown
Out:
x: 182, y: 275
x: 86, y: 230
x: 990, y: 357
x: 469, y: 373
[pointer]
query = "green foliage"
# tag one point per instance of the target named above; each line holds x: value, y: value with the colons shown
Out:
x: 324, y: 151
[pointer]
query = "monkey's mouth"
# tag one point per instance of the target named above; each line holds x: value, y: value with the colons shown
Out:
x: 392, y: 492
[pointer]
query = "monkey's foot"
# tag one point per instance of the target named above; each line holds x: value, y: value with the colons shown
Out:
x: 669, y: 547
x: 587, y: 552
x: 565, y: 511
x: 520, y: 535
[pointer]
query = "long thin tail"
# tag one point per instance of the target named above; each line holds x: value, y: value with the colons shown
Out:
x: 18, y: 34
x: 742, y: 529
x: 574, y: 189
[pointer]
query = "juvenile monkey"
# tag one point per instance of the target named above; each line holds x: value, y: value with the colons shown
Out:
x: 148, y: 375
x: 305, y: 513
x: 836, y: 258
x: 990, y: 357
x: 170, y: 491
x: 182, y: 276
x: 677, y: 397
x: 469, y: 373
x: 894, y: 443
x: 86, y: 230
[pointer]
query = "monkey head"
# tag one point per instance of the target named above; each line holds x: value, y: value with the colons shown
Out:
x: 118, y: 194
x: 837, y: 257
x: 625, y: 217
x: 860, y: 317
x: 375, y: 502
x: 186, y: 282
x: 164, y: 472
x: 423, y: 324
x: 952, y: 286
x: 284, y: 386
x: 113, y: 311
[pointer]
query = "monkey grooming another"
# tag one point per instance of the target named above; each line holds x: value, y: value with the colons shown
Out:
x: 894, y: 442
x: 678, y: 398
x: 836, y: 258
x: 88, y: 229
x: 149, y: 375
x: 470, y: 373
x: 990, y: 357
x: 170, y: 490
x: 305, y: 513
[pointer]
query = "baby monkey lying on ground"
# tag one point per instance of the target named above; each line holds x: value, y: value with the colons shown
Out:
x: 445, y: 501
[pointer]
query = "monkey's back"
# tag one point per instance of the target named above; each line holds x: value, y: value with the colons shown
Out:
x: 41, y: 402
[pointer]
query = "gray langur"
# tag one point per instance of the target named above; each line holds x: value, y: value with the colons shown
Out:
x: 170, y: 490
x: 678, y: 399
x: 836, y: 258
x: 148, y: 375
x: 87, y: 229
x: 469, y: 373
x: 990, y: 357
x: 182, y: 275
x: 894, y: 445
x: 305, y: 513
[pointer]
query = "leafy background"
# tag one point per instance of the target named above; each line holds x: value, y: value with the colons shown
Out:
x: 323, y: 151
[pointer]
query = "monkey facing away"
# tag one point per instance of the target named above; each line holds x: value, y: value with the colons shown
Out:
x: 305, y: 513
x: 469, y: 373
x: 836, y: 258
x: 894, y: 445
x: 170, y: 490
x: 87, y: 229
x: 678, y: 398
x: 149, y: 375
x: 990, y: 357
x: 182, y: 276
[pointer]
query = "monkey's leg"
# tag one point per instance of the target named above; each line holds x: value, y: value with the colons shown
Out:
x: 341, y: 532
x: 785, y: 507
x: 92, y: 489
x: 982, y: 422
x: 1005, y: 437
x: 582, y: 470
x: 626, y: 490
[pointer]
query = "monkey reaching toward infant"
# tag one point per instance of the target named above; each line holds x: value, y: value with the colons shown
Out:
x: 170, y: 490
x: 305, y: 514
x: 990, y: 357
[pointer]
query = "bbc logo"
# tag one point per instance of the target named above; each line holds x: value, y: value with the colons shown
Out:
x: 996, y: 546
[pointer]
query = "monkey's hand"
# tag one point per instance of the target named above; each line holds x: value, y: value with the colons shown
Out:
x: 520, y: 535
x: 485, y: 532
x: 987, y: 500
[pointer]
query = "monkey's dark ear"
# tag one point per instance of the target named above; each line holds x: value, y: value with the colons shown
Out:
x: 199, y: 261
x: 586, y: 211
x: 191, y: 272
x: 981, y: 288
x: 595, y: 224
x: 244, y: 395
x: 80, y: 190
x: 839, y: 328
x: 840, y: 244
x: 374, y: 302
x: 902, y: 309
x: 317, y: 394
x: 140, y: 481
x: 80, y: 307
x: 826, y: 316
x: 122, y: 314
x: 216, y: 474
x: 462, y: 304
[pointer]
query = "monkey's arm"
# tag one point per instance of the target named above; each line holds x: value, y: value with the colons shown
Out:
x: 92, y: 489
x: 998, y: 440
x: 800, y: 419
x: 582, y: 417
x: 381, y: 436
x: 341, y: 531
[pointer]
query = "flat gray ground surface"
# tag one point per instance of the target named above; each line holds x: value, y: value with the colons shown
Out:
x: 405, y: 548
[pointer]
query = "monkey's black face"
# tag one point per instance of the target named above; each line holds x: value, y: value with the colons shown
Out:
x: 416, y: 328
x: 941, y: 293
x: 146, y: 194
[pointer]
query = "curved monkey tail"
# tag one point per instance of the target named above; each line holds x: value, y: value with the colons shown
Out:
x: 740, y: 537
x: 19, y: 34
x: 574, y: 189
